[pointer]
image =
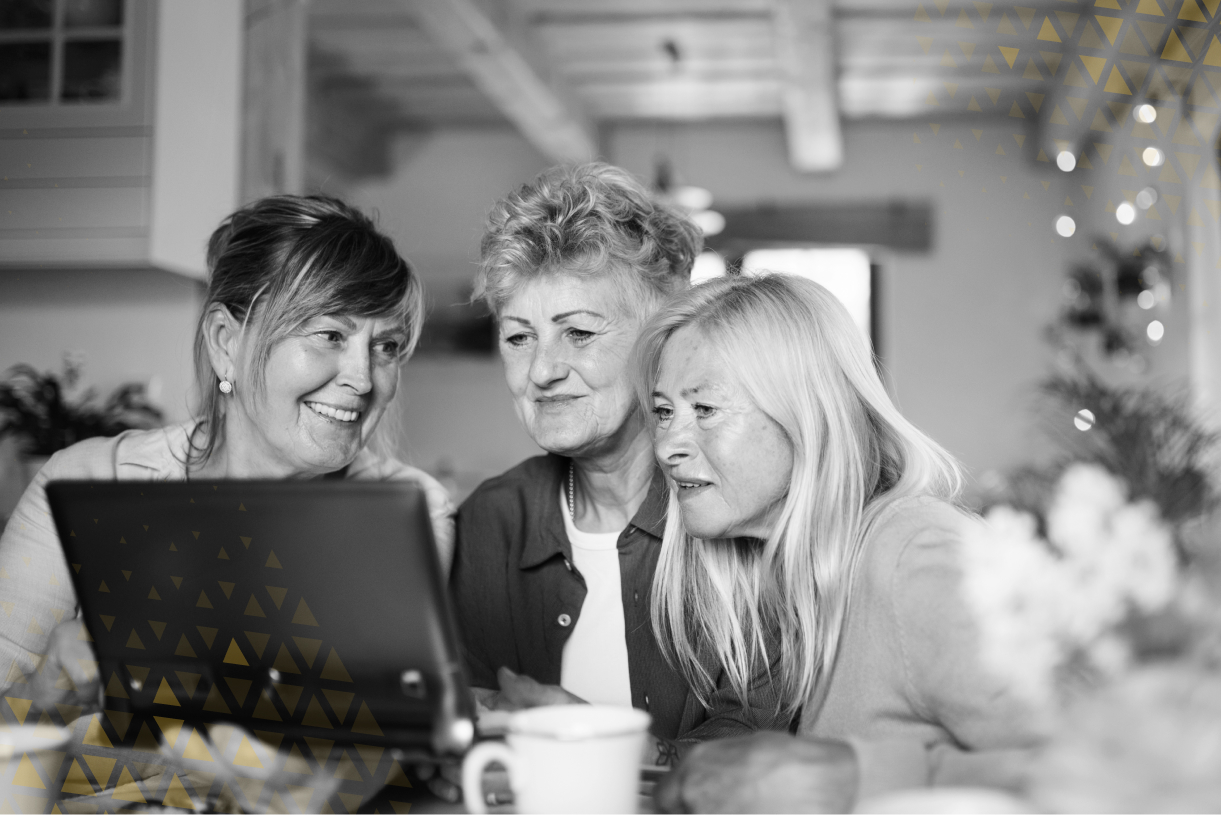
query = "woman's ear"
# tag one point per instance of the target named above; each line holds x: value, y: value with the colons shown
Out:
x: 222, y: 335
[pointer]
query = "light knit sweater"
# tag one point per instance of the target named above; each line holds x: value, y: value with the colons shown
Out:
x: 908, y: 690
x: 35, y: 586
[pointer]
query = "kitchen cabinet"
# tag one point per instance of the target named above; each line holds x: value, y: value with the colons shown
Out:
x: 119, y: 131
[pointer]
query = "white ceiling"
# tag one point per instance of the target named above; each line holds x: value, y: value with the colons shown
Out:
x: 613, y: 55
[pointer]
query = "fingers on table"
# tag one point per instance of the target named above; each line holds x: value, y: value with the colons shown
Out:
x: 668, y: 792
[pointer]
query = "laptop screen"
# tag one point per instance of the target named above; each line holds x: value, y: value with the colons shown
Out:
x: 309, y: 608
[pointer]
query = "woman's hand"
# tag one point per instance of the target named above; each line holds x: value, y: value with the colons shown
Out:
x: 519, y: 691
x: 763, y: 772
x: 68, y: 673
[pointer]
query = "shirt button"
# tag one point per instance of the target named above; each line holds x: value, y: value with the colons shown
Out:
x: 636, y: 596
x: 647, y: 701
x: 568, y: 565
x: 564, y: 620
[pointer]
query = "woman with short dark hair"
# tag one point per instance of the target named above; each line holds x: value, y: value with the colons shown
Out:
x: 309, y: 316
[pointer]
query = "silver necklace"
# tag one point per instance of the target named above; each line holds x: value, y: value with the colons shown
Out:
x: 572, y: 513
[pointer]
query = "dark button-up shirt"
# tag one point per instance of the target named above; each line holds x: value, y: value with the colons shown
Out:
x: 518, y: 597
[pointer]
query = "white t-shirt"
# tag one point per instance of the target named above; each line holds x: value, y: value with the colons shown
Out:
x: 594, y: 664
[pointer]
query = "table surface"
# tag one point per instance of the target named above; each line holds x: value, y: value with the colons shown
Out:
x: 391, y: 800
x: 134, y: 776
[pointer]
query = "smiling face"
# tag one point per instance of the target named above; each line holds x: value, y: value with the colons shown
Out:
x: 325, y: 388
x: 565, y: 341
x: 730, y: 462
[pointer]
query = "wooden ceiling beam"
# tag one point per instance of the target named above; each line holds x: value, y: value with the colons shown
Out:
x: 542, y: 108
x: 684, y: 99
x: 805, y: 40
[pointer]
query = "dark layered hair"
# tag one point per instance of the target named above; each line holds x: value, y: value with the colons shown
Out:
x: 287, y: 259
x: 590, y: 219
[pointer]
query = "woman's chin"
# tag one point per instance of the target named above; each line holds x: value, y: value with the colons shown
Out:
x: 326, y: 455
x: 699, y: 527
x: 562, y: 441
x: 702, y: 526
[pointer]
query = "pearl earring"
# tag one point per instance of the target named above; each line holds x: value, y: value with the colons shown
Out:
x: 226, y: 386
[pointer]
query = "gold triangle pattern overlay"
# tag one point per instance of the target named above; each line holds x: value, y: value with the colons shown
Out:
x: 119, y: 758
x: 1073, y: 73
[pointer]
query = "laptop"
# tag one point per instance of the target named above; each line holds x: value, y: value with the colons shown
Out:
x: 315, y: 609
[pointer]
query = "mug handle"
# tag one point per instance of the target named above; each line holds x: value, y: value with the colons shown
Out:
x: 473, y: 766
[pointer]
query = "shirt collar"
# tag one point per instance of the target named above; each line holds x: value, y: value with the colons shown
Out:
x: 162, y: 450
x: 545, y: 535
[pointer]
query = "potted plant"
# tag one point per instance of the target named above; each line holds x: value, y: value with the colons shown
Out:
x: 38, y: 410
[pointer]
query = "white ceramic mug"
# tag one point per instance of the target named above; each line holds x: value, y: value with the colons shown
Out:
x: 565, y: 758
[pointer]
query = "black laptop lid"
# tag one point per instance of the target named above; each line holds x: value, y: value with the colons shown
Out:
x: 312, y: 608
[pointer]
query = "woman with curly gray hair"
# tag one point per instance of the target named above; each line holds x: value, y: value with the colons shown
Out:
x: 555, y: 558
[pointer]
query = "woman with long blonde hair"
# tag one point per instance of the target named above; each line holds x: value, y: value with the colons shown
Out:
x: 812, y: 528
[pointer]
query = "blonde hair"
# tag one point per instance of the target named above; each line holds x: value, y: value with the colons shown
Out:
x: 792, y: 346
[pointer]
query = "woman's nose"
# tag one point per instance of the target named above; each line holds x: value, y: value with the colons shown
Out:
x: 547, y: 365
x: 673, y: 444
x: 354, y: 369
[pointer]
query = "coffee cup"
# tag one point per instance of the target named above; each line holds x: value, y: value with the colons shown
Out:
x: 565, y: 758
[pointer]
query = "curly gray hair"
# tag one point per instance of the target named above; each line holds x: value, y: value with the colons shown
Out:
x: 590, y: 219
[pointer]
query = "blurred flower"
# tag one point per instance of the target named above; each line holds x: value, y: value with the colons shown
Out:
x: 1046, y: 604
x: 1077, y: 520
x: 1012, y: 583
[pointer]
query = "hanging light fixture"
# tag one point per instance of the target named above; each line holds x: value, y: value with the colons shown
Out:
x: 695, y: 201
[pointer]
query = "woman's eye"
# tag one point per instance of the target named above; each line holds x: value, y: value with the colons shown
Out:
x: 662, y: 412
x: 390, y: 347
x: 331, y: 336
x: 517, y: 340
x: 703, y: 411
x: 580, y: 335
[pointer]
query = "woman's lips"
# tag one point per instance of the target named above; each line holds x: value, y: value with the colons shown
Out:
x: 555, y: 402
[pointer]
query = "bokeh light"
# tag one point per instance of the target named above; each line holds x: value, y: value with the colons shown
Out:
x: 1065, y: 226
x: 1145, y: 113
x: 1126, y: 213
x: 1155, y: 331
x: 1066, y: 161
x: 1147, y: 198
x: 710, y: 221
x: 708, y: 265
x: 1153, y: 157
x: 692, y: 198
x: 1084, y: 420
x: 1146, y: 299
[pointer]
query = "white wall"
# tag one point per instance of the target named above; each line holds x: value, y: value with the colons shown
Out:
x: 126, y: 325
x: 434, y: 202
